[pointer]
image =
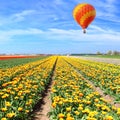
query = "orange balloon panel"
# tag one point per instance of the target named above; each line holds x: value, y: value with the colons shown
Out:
x: 84, y: 14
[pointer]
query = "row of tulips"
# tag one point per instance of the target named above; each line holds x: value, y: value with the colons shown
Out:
x: 18, y: 61
x: 19, y: 95
x: 9, y: 73
x: 74, y: 99
x: 103, y: 75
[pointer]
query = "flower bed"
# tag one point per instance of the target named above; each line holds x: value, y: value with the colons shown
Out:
x: 9, y: 73
x: 103, y: 75
x: 19, y: 95
x: 74, y: 99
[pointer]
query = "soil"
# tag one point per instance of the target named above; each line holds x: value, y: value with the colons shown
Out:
x: 106, y: 60
x: 108, y: 98
x: 43, y: 106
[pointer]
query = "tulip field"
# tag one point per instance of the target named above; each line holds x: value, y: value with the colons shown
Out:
x: 72, y: 97
x: 21, y: 86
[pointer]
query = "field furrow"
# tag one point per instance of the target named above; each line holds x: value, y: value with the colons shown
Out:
x: 105, y: 76
x: 80, y: 90
x: 20, y: 95
x: 10, y: 73
x: 73, y: 98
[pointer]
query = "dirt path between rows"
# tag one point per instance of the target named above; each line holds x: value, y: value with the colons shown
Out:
x: 42, y: 108
x: 107, y: 98
x: 41, y: 112
x: 106, y: 60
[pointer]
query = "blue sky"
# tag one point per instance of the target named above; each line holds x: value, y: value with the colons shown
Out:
x: 47, y: 26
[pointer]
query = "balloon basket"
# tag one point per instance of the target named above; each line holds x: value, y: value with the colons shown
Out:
x: 84, y: 31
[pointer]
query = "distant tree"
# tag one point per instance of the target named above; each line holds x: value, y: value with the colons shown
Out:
x: 109, y: 52
x: 99, y: 53
x: 116, y: 53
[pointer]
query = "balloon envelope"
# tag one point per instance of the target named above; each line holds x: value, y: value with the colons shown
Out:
x: 84, y: 14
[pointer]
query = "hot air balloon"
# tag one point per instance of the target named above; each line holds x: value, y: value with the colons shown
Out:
x: 84, y: 14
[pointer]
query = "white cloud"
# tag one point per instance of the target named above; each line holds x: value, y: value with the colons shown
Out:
x: 21, y: 16
x: 22, y: 32
x: 94, y: 33
x: 96, y: 28
x: 8, y: 35
x: 110, y: 8
x: 107, y: 10
x: 17, y: 17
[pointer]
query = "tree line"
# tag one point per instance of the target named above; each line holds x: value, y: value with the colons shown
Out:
x: 110, y: 52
